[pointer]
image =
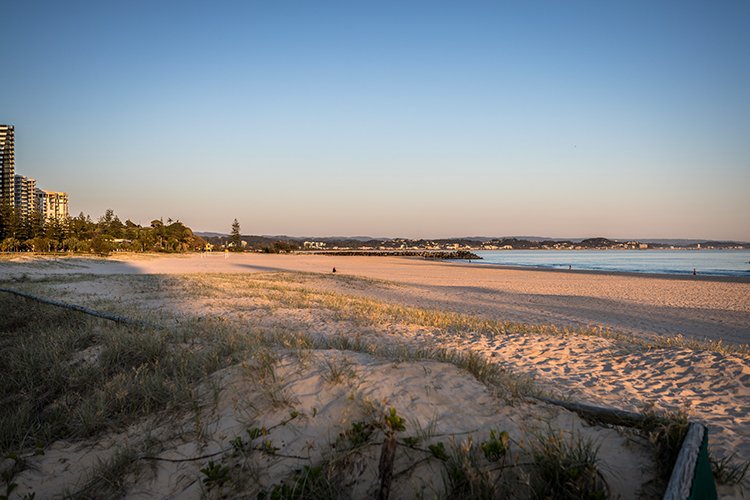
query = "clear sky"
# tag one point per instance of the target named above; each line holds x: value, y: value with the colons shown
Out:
x: 403, y: 118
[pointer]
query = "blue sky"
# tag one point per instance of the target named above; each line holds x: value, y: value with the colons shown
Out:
x: 422, y: 119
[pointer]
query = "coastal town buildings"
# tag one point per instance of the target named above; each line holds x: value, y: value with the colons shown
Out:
x: 314, y: 244
x: 52, y: 205
x: 21, y: 192
x: 7, y: 164
x: 25, y: 196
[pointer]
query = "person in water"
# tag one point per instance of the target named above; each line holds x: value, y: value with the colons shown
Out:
x: 334, y: 269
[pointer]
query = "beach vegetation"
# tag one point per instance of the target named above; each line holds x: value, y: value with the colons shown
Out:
x: 497, y: 446
x: 394, y: 423
x: 566, y: 467
x: 278, y: 246
x: 287, y: 290
x: 666, y: 431
x: 465, y: 474
x: 338, y: 369
x: 357, y: 435
x: 84, y: 377
x: 12, y: 464
x: 729, y: 470
x: 108, y: 478
x: 438, y: 451
x: 215, y: 474
x: 66, y: 375
x: 307, y: 483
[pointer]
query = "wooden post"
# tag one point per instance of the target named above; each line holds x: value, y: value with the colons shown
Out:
x: 683, y: 474
x: 85, y: 310
x: 683, y: 480
x: 387, y: 455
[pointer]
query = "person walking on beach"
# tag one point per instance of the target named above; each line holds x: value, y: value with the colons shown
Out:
x: 694, y: 273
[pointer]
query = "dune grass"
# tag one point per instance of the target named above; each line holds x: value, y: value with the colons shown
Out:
x: 288, y: 290
x: 69, y: 376
x: 139, y: 370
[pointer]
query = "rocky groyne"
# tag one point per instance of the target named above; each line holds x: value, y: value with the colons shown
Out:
x: 426, y: 254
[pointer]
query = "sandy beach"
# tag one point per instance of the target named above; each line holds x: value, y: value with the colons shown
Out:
x: 713, y: 308
x: 615, y: 340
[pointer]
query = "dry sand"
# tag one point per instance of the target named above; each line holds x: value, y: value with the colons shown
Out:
x: 714, y: 387
x: 701, y: 308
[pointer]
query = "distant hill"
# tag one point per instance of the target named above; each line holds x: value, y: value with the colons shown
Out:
x: 209, y: 234
x: 274, y: 242
x: 688, y: 242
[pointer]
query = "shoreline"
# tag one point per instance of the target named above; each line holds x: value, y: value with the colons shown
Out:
x: 632, y: 274
x: 16, y: 258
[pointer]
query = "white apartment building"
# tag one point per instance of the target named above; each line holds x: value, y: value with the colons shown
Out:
x: 52, y: 205
x: 25, y: 196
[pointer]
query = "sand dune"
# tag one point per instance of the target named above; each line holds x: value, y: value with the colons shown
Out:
x: 712, y: 386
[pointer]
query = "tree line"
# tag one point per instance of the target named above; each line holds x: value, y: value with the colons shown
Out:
x: 236, y: 242
x: 82, y: 234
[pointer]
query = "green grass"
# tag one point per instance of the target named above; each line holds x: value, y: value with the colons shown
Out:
x: 309, y: 482
x: 566, y: 467
x: 465, y: 474
x: 553, y: 464
x: 108, y: 478
x: 52, y: 391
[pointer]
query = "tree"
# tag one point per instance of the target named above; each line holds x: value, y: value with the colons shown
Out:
x: 10, y: 245
x: 110, y: 224
x: 8, y: 221
x: 235, y: 240
x: 81, y: 227
x: 100, y: 245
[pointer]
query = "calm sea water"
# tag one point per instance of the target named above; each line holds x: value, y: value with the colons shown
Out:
x: 707, y: 262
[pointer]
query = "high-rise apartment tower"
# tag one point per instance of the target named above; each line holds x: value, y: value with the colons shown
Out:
x: 7, y: 165
x: 25, y: 197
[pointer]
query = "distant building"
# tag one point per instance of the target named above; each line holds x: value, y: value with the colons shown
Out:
x: 314, y: 244
x: 52, y: 205
x: 25, y: 196
x: 7, y: 164
x: 20, y: 191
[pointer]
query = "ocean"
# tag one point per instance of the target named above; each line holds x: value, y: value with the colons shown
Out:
x: 681, y: 262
